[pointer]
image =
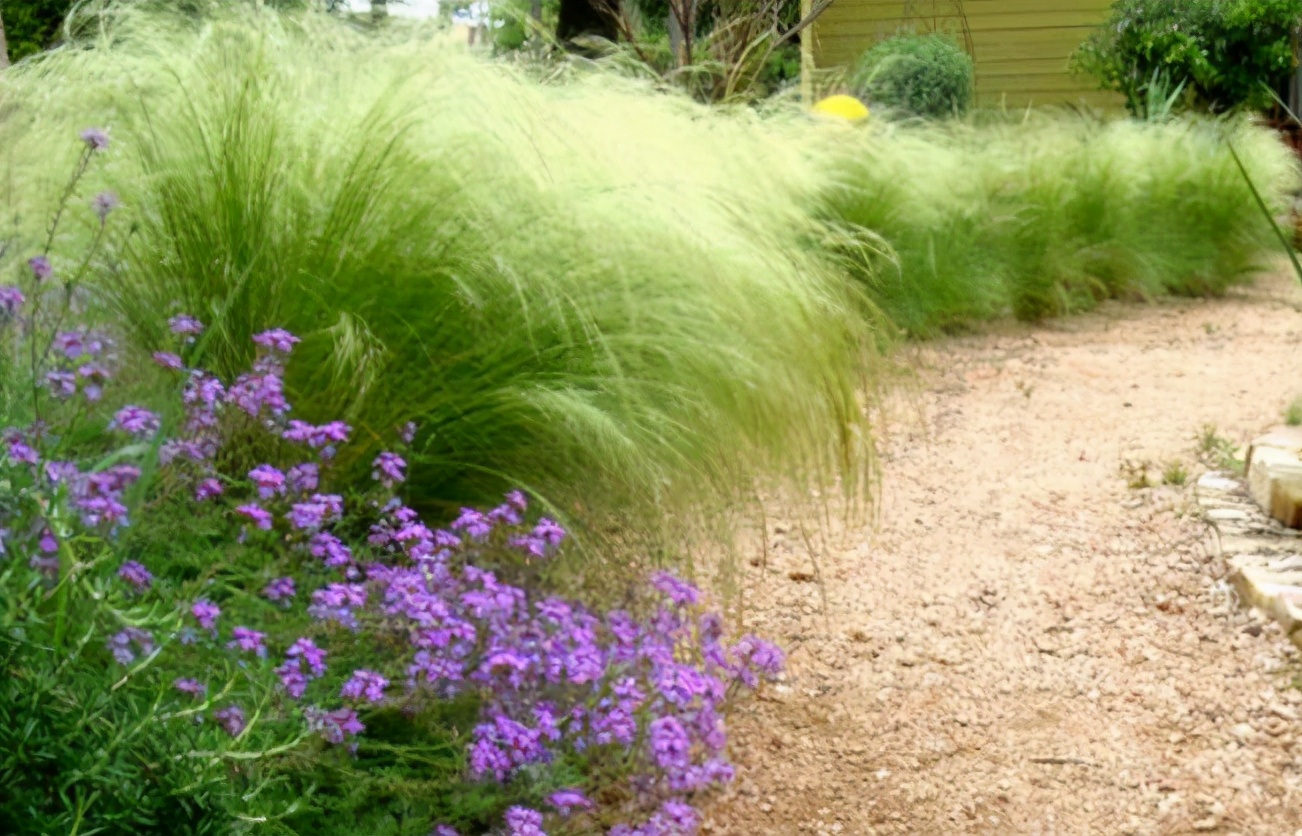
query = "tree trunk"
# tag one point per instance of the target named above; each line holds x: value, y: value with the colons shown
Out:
x: 682, y: 25
x: 4, y: 46
x: 379, y: 10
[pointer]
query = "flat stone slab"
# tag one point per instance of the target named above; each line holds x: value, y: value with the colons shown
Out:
x: 1263, y: 557
x: 1274, y: 468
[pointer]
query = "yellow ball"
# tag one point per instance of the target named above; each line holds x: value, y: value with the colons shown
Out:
x: 843, y: 107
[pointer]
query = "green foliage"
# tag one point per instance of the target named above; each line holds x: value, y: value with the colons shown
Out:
x: 1293, y: 414
x: 1227, y: 53
x: 1048, y: 215
x: 921, y: 75
x: 32, y: 25
x: 598, y: 294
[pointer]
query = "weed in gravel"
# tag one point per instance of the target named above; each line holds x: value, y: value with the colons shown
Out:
x: 1216, y: 451
x: 1175, y: 474
x: 1293, y: 414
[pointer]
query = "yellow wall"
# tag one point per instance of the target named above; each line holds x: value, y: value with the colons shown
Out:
x: 1021, y: 46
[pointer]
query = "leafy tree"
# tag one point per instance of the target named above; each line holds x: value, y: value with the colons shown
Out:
x: 31, y: 25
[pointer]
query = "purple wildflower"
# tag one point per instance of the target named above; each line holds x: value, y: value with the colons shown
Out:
x: 19, y: 451
x: 678, y: 591
x: 292, y: 679
x: 256, y: 515
x: 444, y: 830
x: 11, y: 299
x: 41, y: 267
x: 388, y: 469
x: 757, y: 659
x: 279, y: 589
x: 269, y: 480
x: 567, y: 801
x: 301, y: 432
x: 277, y: 339
x: 335, y: 726
x: 254, y: 392
x: 95, y: 138
x: 48, y: 543
x: 206, y: 613
x: 230, y: 718
x: 364, y: 684
x: 407, y: 432
x: 474, y: 523
x: 135, y: 420
x: 522, y: 821
x: 104, y: 203
x: 303, y: 478
x: 307, y: 650
x: 168, y: 360
x: 62, y: 385
x: 330, y: 549
x: 136, y: 574
x: 125, y: 643
x: 676, y: 817
x: 208, y: 489
x: 185, y: 324
x: 670, y: 743
x: 193, y: 687
x: 247, y: 641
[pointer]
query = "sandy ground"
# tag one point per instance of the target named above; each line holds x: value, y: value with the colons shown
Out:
x: 1023, y: 643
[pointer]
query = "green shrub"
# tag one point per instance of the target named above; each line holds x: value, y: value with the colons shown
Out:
x: 923, y: 75
x: 1226, y: 53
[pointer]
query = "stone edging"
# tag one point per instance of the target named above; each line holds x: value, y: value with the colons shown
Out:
x: 1263, y: 558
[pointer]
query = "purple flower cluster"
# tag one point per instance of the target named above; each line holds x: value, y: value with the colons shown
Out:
x: 646, y: 691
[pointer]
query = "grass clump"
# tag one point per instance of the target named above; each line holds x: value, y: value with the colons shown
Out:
x: 1050, y: 214
x: 1293, y: 414
x: 594, y: 292
x: 1216, y: 451
x: 1175, y: 474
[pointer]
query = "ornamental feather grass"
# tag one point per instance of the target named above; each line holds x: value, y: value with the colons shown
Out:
x: 594, y: 292
x: 1048, y: 214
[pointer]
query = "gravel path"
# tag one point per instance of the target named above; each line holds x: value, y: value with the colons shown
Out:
x: 1023, y: 643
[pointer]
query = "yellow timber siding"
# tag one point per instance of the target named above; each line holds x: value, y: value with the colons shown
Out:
x: 1021, y: 47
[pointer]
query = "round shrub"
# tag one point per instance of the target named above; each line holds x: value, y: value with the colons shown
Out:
x: 924, y: 75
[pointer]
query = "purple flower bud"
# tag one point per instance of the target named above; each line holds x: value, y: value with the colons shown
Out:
x: 279, y: 589
x: 335, y: 725
x: 135, y: 420
x: 125, y: 643
x: 247, y: 641
x: 364, y: 684
x: 303, y: 478
x: 277, y: 339
x: 104, y: 203
x: 208, y: 489
x: 306, y: 650
x: 193, y: 687
x: 168, y: 360
x: 95, y: 138
x: 680, y: 592
x: 292, y: 679
x: 256, y: 515
x: 407, y: 433
x: 185, y: 324
x: 522, y: 821
x: 269, y: 480
x: 231, y: 719
x: 11, y: 300
x: 670, y: 744
x: 136, y: 575
x: 567, y: 801
x: 206, y: 613
x: 18, y: 450
x: 62, y: 385
x: 41, y: 267
x: 388, y: 469
x: 330, y: 549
